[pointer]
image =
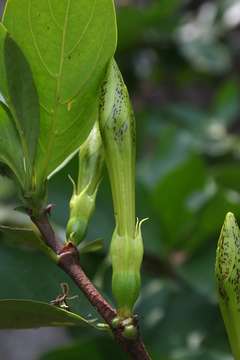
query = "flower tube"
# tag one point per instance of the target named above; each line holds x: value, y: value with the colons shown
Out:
x: 117, y: 126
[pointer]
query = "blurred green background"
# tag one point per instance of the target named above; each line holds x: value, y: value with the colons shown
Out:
x: 181, y: 63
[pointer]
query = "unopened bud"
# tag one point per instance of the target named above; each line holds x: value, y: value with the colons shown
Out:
x: 227, y: 273
x: 117, y: 126
x: 82, y: 203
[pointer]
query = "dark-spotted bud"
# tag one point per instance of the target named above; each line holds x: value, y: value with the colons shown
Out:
x: 117, y: 126
x: 82, y: 203
x: 227, y: 271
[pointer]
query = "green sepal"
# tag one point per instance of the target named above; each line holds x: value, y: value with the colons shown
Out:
x: 81, y: 209
x: 126, y: 253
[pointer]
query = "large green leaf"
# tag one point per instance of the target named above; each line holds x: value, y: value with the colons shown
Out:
x: 25, y: 314
x: 68, y: 44
x: 10, y: 147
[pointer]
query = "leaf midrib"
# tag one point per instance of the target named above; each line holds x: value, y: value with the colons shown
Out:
x: 57, y: 76
x: 58, y: 83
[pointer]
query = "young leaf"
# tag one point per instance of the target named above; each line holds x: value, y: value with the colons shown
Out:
x: 26, y: 314
x: 10, y: 148
x: 68, y: 44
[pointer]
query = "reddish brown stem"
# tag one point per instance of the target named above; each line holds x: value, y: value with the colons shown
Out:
x: 47, y: 231
x: 69, y: 262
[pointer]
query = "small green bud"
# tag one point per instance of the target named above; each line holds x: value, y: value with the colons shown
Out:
x: 130, y: 332
x: 227, y: 271
x: 115, y: 322
x: 81, y: 208
x: 102, y: 326
x: 82, y: 203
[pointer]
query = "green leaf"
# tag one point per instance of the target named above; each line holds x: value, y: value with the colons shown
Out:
x: 25, y: 314
x: 3, y: 75
x: 68, y: 45
x: 22, y: 266
x: 26, y: 237
x: 23, y: 98
x: 19, y: 92
x: 10, y: 147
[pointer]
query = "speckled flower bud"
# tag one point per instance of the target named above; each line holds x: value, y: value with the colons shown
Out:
x: 117, y: 126
x: 227, y: 273
x: 82, y: 203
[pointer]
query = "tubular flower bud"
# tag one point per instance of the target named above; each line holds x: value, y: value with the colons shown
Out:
x: 82, y: 203
x: 126, y: 253
x: 227, y: 273
x: 117, y: 126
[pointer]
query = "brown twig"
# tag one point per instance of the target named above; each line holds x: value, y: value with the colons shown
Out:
x: 46, y: 231
x: 69, y: 262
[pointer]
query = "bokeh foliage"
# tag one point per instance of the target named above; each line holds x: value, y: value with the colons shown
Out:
x: 181, y: 62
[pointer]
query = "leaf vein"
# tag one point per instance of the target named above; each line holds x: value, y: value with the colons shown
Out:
x: 53, y: 16
x: 84, y: 30
x: 58, y: 84
x: 71, y: 99
x: 36, y: 44
x: 46, y: 109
